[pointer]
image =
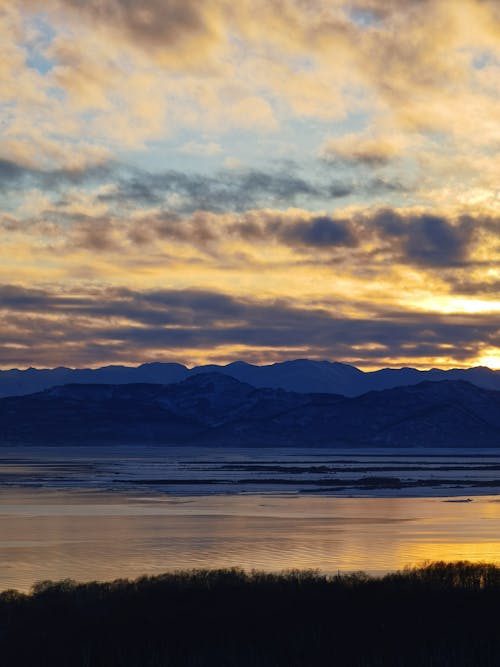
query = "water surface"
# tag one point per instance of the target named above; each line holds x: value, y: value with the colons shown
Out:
x: 87, y: 515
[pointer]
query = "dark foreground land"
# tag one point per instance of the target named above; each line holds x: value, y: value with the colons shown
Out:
x: 442, y: 614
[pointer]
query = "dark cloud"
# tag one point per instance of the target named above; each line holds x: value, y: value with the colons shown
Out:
x: 10, y: 171
x: 321, y: 231
x: 367, y: 157
x: 338, y: 189
x: 100, y: 325
x: 21, y: 298
x: 380, y: 237
x: 95, y: 234
x: 16, y: 176
x: 380, y: 185
x: 235, y: 190
x: 467, y: 287
x: 238, y: 190
x: 165, y: 23
x: 434, y: 241
x: 206, y: 232
x: 137, y: 190
x: 428, y: 240
x: 228, y: 190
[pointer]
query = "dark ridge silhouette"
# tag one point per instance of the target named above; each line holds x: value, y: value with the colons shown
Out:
x: 215, y: 409
x: 439, y: 614
x: 300, y: 375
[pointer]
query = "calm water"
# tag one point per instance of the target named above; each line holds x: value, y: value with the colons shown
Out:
x: 67, y: 514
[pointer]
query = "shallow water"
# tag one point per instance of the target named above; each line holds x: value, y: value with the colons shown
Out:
x: 207, y: 471
x: 62, y: 514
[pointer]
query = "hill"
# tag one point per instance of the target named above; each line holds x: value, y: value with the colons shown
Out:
x: 215, y: 409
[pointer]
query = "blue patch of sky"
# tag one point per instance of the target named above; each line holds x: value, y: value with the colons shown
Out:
x: 295, y: 148
x: 363, y: 17
x: 7, y: 114
x: 42, y: 34
x: 483, y: 59
x: 11, y: 200
x: 57, y: 94
x: 298, y: 139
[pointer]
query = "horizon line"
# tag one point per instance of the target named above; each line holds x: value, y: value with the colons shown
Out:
x: 241, y: 361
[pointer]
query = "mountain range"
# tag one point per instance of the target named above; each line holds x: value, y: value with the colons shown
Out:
x: 300, y: 375
x: 217, y: 409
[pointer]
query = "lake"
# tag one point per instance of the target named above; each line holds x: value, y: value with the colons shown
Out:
x: 120, y: 512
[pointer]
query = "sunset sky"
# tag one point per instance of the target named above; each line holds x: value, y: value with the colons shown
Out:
x: 211, y: 180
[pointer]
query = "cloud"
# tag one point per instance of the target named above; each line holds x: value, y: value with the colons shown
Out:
x: 117, y: 75
x: 172, y: 30
x: 322, y: 231
x: 230, y: 189
x: 207, y: 221
x: 207, y: 232
x: 239, y: 189
x: 481, y: 288
x: 424, y: 240
x: 95, y: 234
x: 359, y: 149
x: 434, y: 241
x: 10, y: 172
x: 428, y: 239
x: 112, y: 324
x: 400, y: 97
x: 16, y: 176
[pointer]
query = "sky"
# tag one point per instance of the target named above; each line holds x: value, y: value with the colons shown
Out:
x: 209, y: 180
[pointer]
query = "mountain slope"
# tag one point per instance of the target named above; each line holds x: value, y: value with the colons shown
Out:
x: 443, y: 414
x: 18, y: 383
x: 219, y: 410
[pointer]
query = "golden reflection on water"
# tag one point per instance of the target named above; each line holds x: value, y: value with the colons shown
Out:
x: 47, y: 534
x: 449, y: 551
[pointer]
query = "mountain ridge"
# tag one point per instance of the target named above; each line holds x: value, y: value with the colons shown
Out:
x: 299, y: 375
x: 218, y: 410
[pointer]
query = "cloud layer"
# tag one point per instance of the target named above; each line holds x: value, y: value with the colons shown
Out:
x: 103, y: 325
x: 212, y: 180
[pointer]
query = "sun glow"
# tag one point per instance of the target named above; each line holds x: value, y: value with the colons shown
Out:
x: 449, y: 305
x: 491, y: 359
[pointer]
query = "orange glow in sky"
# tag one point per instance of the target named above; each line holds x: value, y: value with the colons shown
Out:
x: 203, y: 181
